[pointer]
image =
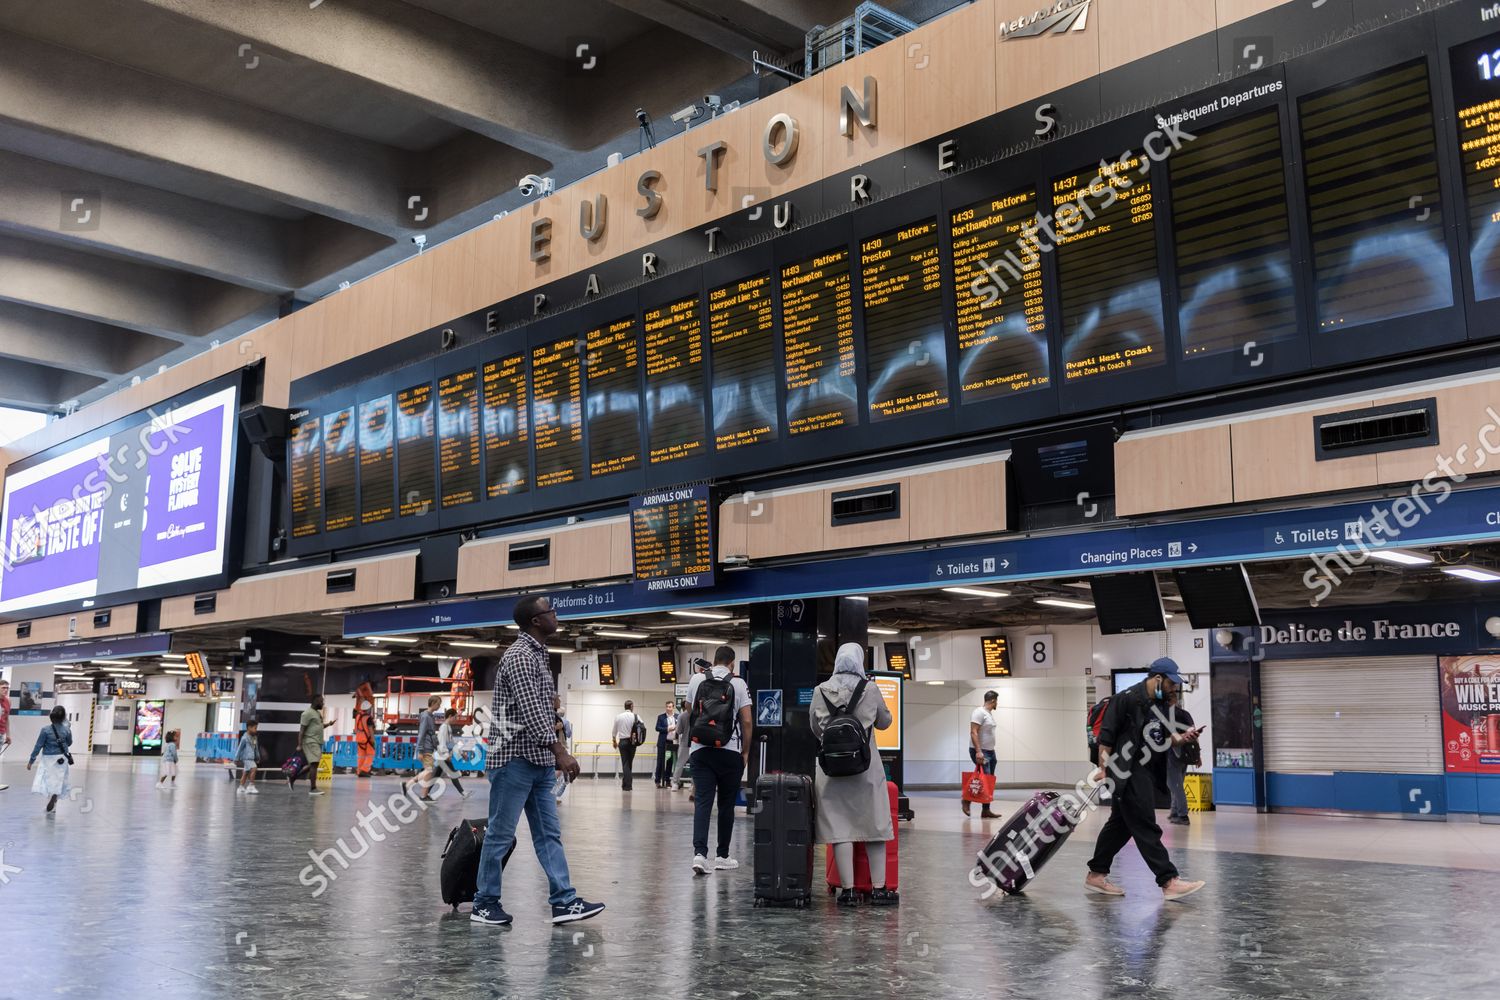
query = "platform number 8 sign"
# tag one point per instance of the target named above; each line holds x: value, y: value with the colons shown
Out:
x: 1038, y: 651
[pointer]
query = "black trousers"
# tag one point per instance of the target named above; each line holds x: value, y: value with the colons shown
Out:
x: 627, y: 762
x: 663, y: 771
x: 1132, y: 816
x: 716, y: 776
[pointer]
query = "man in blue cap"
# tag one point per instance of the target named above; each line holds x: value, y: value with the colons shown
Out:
x: 1126, y: 751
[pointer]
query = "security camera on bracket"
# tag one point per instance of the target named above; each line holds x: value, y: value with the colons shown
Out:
x: 531, y: 185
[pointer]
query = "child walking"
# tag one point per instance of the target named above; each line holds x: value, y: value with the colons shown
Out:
x: 52, y: 746
x: 168, y: 761
x: 247, y: 758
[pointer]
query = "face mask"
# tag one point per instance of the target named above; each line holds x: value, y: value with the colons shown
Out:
x: 1161, y: 692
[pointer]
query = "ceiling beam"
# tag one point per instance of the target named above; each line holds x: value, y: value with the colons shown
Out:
x: 73, y: 344
x: 29, y: 385
x: 740, y: 27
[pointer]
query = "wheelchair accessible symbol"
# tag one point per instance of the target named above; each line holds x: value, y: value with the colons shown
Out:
x: 768, y: 708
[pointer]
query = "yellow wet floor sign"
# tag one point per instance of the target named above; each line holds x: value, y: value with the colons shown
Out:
x: 325, y: 767
x: 1200, y: 791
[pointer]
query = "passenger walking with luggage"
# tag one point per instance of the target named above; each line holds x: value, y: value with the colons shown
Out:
x: 247, y: 758
x: 718, y: 751
x: 310, y: 740
x: 427, y: 745
x: 443, y: 755
x: 666, y: 739
x: 1124, y: 753
x: 852, y: 805
x: 982, y: 745
x: 168, y: 761
x: 524, y: 756
x: 624, y: 739
x: 52, y: 746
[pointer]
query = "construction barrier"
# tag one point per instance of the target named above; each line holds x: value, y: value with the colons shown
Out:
x: 396, y: 753
x: 215, y: 746
x: 342, y: 751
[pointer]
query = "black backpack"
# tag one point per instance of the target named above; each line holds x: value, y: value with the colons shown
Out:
x: 638, y: 732
x: 845, y: 749
x: 713, y: 711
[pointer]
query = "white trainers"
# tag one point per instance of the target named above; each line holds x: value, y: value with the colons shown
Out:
x: 252, y: 790
x: 465, y: 793
x: 700, y: 865
x: 239, y: 789
x: 315, y: 791
x: 725, y: 864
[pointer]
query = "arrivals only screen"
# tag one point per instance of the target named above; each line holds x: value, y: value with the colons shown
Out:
x: 672, y: 539
x: 817, y: 341
x: 904, y: 332
x: 139, y: 508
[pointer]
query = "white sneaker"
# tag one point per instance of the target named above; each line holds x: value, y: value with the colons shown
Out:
x: 465, y: 793
x: 315, y: 791
x: 239, y: 789
x: 725, y: 864
x: 252, y: 790
x: 700, y: 865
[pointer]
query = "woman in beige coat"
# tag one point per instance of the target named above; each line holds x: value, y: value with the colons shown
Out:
x: 854, y: 809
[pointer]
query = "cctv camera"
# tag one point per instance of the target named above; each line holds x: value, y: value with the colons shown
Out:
x: 713, y: 100
x: 420, y: 240
x: 531, y: 184
x: 642, y: 117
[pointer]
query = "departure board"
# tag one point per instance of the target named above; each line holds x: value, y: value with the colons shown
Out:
x: 1234, y: 252
x: 905, y: 344
x: 1376, y: 216
x: 1476, y: 91
x: 740, y: 331
x: 416, y: 429
x: 614, y: 397
x: 817, y: 343
x: 556, y: 402
x: 507, y: 457
x: 675, y: 425
x: 995, y: 651
x: 997, y: 278
x: 672, y: 539
x: 1106, y: 264
x: 340, y: 469
x: 377, y: 461
x: 306, y: 474
x: 458, y: 437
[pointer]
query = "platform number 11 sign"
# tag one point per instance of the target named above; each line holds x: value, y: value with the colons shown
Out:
x: 1036, y: 651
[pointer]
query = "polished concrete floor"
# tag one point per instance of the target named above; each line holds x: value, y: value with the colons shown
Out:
x: 132, y: 892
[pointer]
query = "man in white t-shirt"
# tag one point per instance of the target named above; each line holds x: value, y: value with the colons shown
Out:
x: 717, y: 760
x: 624, y: 741
x: 982, y: 743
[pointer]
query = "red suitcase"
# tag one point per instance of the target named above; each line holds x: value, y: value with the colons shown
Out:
x: 862, y: 863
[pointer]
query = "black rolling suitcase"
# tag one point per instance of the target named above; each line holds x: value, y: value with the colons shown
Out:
x: 783, y: 839
x: 459, y: 876
x: 1027, y: 841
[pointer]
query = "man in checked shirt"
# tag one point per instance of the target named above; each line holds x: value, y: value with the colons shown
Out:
x: 525, y: 751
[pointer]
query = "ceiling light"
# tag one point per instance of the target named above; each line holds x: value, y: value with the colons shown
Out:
x: 713, y: 616
x: 178, y: 673
x: 514, y: 628
x: 173, y: 656
x: 114, y: 663
x: 1063, y: 602
x: 935, y: 683
x: 881, y: 631
x: 1172, y: 597
x: 113, y: 671
x: 560, y: 651
x: 857, y: 597
x: 392, y: 638
x: 305, y: 654
x: 698, y: 640
x: 434, y: 656
x: 475, y: 645
x: 623, y: 635
x: 1080, y: 585
x: 976, y: 591
x: 368, y: 652
x: 1476, y: 573
x: 1167, y: 615
x: 1401, y: 558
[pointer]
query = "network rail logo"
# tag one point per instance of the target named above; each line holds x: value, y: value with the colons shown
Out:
x: 1063, y: 16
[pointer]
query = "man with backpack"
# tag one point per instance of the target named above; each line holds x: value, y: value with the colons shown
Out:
x: 629, y: 733
x: 720, y: 729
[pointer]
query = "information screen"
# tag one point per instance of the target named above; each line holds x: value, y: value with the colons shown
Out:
x: 676, y: 426
x: 666, y: 666
x: 1234, y: 256
x: 340, y: 468
x: 817, y: 336
x: 1002, y: 318
x: 1107, y: 270
x: 1476, y: 90
x: 614, y: 395
x: 458, y: 437
x: 995, y: 651
x: 1372, y: 193
x: 306, y: 475
x: 889, y: 686
x: 416, y: 431
x: 904, y: 340
x: 898, y: 658
x: 556, y: 402
x: 672, y: 539
x: 740, y: 335
x: 507, y: 457
x: 377, y: 461
x: 607, y: 676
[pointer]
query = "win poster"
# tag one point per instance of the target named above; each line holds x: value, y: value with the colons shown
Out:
x: 1471, y: 714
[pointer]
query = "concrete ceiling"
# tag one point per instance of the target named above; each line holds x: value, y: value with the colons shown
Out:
x: 175, y: 172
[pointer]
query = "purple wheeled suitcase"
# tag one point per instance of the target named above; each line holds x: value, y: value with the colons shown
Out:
x: 1027, y: 841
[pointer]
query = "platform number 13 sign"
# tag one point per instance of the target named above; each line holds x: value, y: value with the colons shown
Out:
x: 1036, y: 651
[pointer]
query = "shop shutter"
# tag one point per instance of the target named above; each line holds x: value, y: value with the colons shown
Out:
x: 1365, y: 714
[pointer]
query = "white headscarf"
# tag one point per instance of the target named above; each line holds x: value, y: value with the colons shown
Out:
x: 850, y: 659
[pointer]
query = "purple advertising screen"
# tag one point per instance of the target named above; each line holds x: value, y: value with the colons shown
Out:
x: 144, y: 506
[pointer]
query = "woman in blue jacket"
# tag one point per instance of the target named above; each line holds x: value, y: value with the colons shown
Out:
x: 52, y: 746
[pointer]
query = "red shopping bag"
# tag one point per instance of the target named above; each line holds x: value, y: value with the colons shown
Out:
x: 979, y: 787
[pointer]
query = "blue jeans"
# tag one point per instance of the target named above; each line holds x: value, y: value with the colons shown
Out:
x: 520, y: 785
x: 988, y: 766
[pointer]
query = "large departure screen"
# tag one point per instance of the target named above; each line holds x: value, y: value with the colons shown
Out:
x: 904, y: 341
x: 675, y: 424
x: 340, y: 468
x: 1476, y: 91
x: 1107, y: 270
x: 507, y: 457
x: 817, y: 333
x: 306, y: 476
x: 556, y: 420
x: 416, y: 431
x: 740, y: 331
x: 614, y: 395
x: 377, y: 461
x: 1372, y: 193
x: 458, y: 437
x: 1229, y: 216
x: 1002, y: 318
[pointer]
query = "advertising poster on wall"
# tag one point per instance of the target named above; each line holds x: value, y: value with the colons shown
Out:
x: 1470, y: 687
x: 29, y: 699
